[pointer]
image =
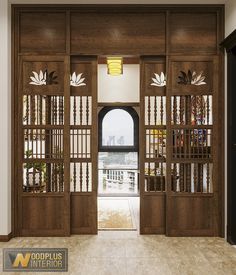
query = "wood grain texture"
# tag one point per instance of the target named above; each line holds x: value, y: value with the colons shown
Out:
x: 5, y: 238
x: 193, y: 33
x: 152, y: 203
x: 206, y: 65
x: 42, y: 214
x: 42, y: 32
x: 84, y: 202
x: 153, y: 214
x: 122, y: 33
x: 190, y: 216
x: 175, y: 38
x: 83, y: 214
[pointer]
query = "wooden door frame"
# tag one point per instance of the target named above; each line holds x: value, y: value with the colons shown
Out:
x: 116, y: 9
x: 229, y: 43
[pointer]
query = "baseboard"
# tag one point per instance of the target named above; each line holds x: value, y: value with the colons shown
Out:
x: 5, y: 238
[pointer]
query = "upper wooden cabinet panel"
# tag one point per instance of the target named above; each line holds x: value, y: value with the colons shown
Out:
x: 83, y: 75
x: 193, y: 33
x: 42, y: 32
x: 154, y: 76
x: 192, y: 75
x: 42, y: 75
x: 118, y: 33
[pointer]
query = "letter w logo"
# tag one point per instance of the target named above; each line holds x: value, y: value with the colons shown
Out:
x: 23, y: 260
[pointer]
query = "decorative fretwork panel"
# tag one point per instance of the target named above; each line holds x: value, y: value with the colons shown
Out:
x: 195, y: 143
x: 191, y: 77
x: 155, y: 110
x: 81, y: 110
x: 81, y: 77
x: 81, y: 176
x: 42, y: 110
x: 155, y: 176
x: 43, y: 143
x: 192, y: 177
x: 80, y: 143
x: 43, y: 177
x: 155, y: 143
x: 194, y: 110
x: 154, y: 77
x: 43, y: 77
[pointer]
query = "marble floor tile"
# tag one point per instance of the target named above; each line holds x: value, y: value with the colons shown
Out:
x: 128, y: 253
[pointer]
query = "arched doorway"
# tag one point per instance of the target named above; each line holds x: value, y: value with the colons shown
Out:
x: 118, y: 181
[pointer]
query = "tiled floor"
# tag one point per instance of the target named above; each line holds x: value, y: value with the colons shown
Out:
x: 133, y: 208
x: 127, y: 253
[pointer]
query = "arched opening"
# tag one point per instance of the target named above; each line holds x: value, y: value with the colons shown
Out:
x: 118, y: 166
x: 118, y: 129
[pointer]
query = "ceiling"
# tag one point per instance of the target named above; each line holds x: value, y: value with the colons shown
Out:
x: 117, y: 1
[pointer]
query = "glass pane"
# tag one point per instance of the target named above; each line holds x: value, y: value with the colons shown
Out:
x: 118, y: 128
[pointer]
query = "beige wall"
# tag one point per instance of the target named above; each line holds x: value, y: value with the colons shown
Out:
x: 5, y: 120
x: 122, y: 88
x: 230, y: 16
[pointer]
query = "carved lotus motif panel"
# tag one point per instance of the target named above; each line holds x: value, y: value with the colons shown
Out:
x: 191, y: 75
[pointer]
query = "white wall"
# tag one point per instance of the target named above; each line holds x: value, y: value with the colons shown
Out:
x: 122, y: 88
x: 5, y: 120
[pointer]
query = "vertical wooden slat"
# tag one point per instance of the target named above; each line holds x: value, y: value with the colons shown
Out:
x: 87, y: 177
x: 181, y: 112
x: 208, y: 178
x: 81, y: 110
x: 149, y: 110
x: 74, y: 110
x: 74, y: 176
x: 161, y: 110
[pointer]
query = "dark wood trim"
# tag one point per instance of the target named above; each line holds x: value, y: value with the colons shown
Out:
x: 126, y: 60
x: 120, y: 104
x: 135, y: 117
x: 229, y: 43
x: 139, y: 8
x: 6, y: 238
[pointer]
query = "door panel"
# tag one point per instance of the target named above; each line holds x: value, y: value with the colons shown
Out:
x: 192, y: 196
x: 178, y: 150
x: 83, y: 147
x: 43, y: 197
x: 152, y: 147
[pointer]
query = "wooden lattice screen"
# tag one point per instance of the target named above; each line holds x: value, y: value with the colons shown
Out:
x: 58, y: 130
x: 43, y: 146
x: 153, y: 146
x: 178, y: 160
x: 83, y: 145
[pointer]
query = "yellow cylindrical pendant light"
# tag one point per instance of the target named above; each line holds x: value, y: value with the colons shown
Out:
x: 115, y: 65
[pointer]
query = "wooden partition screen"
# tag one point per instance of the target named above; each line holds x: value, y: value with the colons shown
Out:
x: 43, y: 152
x: 83, y: 145
x: 179, y: 110
x: 192, y: 96
x: 55, y: 50
x: 57, y: 164
x: 153, y: 146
